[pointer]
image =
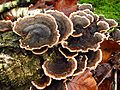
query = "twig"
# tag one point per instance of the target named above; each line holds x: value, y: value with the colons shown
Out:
x: 115, y: 80
x: 105, y: 77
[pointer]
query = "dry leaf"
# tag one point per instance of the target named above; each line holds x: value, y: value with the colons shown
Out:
x: 108, y: 47
x: 83, y: 81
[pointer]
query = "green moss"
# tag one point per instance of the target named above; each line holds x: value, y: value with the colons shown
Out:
x: 109, y: 8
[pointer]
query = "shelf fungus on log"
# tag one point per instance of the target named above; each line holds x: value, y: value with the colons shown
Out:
x: 42, y: 83
x: 85, y: 6
x: 94, y: 58
x: 37, y: 31
x: 65, y: 26
x: 5, y: 25
x: 81, y: 64
x: 84, y: 43
x: 59, y: 67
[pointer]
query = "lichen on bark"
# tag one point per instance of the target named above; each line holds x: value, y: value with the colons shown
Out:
x: 17, y: 72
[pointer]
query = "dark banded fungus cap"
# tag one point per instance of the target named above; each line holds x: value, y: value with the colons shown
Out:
x: 96, y: 17
x: 37, y: 31
x: 81, y: 64
x: 42, y: 83
x: 102, y: 26
x: 84, y: 43
x: 5, y: 25
x: 85, y: 6
x: 58, y: 67
x: 65, y: 26
x: 82, y: 13
x: 79, y: 24
x: 61, y: 69
x: 94, y: 58
x: 115, y: 36
x: 111, y: 22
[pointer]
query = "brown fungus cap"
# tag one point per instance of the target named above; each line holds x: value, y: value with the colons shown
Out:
x: 111, y: 22
x: 81, y: 64
x: 94, y: 58
x: 82, y: 13
x: 37, y: 31
x: 40, y: 51
x: 84, y: 43
x: 5, y: 25
x: 79, y: 24
x: 115, y: 36
x: 103, y: 26
x: 42, y: 83
x: 65, y: 26
x: 61, y: 68
x: 85, y: 6
x: 96, y: 17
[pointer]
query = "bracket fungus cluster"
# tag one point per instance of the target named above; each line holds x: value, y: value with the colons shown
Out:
x: 72, y: 41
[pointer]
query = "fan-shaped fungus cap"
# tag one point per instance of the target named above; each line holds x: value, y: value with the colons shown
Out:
x: 81, y: 64
x: 60, y: 68
x: 79, y: 23
x: 37, y: 31
x: 85, y: 6
x: 102, y: 26
x: 65, y: 25
x: 111, y: 22
x: 40, y: 51
x: 82, y: 13
x: 115, y: 36
x: 66, y: 53
x: 5, y: 25
x: 96, y: 17
x: 42, y: 83
x: 84, y: 43
x: 94, y: 58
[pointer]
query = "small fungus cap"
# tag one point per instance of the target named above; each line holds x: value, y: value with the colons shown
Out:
x: 37, y: 31
x: 111, y: 22
x: 94, y: 58
x: 42, y: 83
x: 102, y: 26
x: 85, y: 6
x: 115, y: 36
x: 65, y: 26
x: 59, y: 69
x: 79, y: 24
